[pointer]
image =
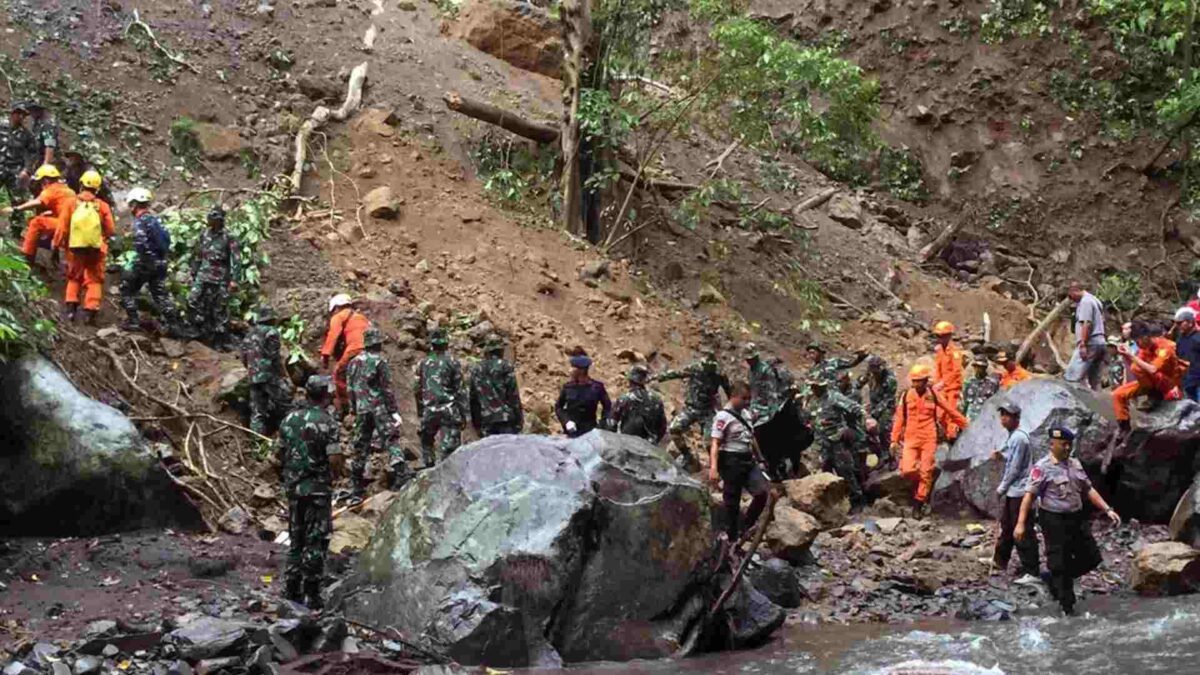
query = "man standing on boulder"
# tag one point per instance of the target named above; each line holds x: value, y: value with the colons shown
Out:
x: 1087, y: 359
x: 731, y: 461
x: 700, y: 403
x: 376, y: 414
x: 495, y: 397
x: 837, y: 426
x: 216, y: 266
x: 915, y: 433
x: 1017, y: 456
x: 947, y: 375
x: 1156, y: 371
x: 580, y: 397
x: 441, y: 400
x: 309, y: 457
x: 639, y: 411
x: 1060, y: 484
x: 1012, y: 371
x: 978, y: 389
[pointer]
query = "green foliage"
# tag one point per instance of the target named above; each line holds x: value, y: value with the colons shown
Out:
x: 693, y: 207
x: 291, y: 335
x: 901, y: 175
x: 20, y: 327
x: 514, y: 173
x: 814, y: 313
x: 1006, y: 19
x: 1121, y: 291
x: 185, y: 142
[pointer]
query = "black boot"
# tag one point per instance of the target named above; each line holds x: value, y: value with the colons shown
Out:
x: 89, y: 317
x: 131, y: 324
x: 293, y: 592
x: 68, y: 311
x: 312, y: 597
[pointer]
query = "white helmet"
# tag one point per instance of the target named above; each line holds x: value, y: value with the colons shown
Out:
x: 140, y: 195
x: 339, y: 300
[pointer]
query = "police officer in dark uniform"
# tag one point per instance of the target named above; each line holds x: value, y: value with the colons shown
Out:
x: 579, y: 399
x: 1060, y: 484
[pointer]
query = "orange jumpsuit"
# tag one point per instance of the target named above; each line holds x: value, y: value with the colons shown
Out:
x: 915, y: 428
x: 58, y: 203
x: 948, y: 372
x: 355, y: 325
x: 1166, y: 381
x: 1010, y: 377
x: 85, y: 267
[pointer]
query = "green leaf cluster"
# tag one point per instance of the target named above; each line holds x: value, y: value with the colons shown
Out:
x: 20, y: 327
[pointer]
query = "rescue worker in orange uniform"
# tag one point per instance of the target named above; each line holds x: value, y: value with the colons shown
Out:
x: 1011, y: 372
x: 947, y: 374
x: 347, y: 327
x: 85, y: 259
x: 57, y: 202
x: 1156, y: 370
x: 915, y: 432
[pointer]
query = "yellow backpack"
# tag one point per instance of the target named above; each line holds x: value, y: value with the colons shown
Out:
x: 85, y: 226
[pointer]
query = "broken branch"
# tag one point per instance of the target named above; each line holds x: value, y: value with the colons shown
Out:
x: 935, y: 247
x: 485, y: 112
x: 814, y: 201
x: 138, y: 23
x: 321, y: 115
x: 1027, y: 344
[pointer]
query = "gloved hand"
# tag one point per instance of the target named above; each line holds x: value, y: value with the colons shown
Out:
x: 570, y: 427
x: 397, y: 419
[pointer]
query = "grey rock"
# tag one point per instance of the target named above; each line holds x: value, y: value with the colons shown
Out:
x: 18, y: 668
x: 110, y: 651
x: 86, y: 665
x: 333, y: 631
x: 60, y: 668
x: 776, y: 579
x: 235, y: 521
x: 207, y: 637
x: 43, y: 654
x: 284, y: 649
x: 597, y: 269
x: 382, y: 203
x: 846, y: 210
x: 1185, y: 521
x: 180, y: 668
x: 215, y: 665
x: 85, y: 469
x: 101, y: 628
x: 1166, y: 568
x: 521, y: 550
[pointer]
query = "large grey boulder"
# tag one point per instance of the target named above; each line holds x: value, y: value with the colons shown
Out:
x: 75, y: 466
x: 530, y: 550
x: 1154, y: 468
x: 1185, y: 521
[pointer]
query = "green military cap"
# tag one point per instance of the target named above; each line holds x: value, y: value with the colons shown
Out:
x: 493, y: 343
x: 816, y: 347
x: 372, y: 337
x: 318, y: 385
x: 980, y: 360
x: 22, y: 106
x: 439, y: 338
x: 638, y: 373
x: 265, y: 314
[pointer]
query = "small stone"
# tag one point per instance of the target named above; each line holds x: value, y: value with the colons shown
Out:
x: 102, y: 628
x: 105, y: 333
x: 846, y: 210
x: 596, y: 269
x: 709, y: 295
x: 60, y: 668
x: 86, y: 665
x: 382, y: 203
x: 110, y: 651
x: 235, y: 520
x: 407, y: 6
x: 421, y: 267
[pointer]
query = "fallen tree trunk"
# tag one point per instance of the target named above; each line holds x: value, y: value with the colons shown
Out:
x: 935, y: 247
x: 1031, y: 339
x: 814, y: 201
x: 321, y: 115
x: 486, y: 112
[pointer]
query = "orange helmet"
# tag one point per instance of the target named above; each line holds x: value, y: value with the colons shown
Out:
x: 943, y: 328
x: 920, y: 372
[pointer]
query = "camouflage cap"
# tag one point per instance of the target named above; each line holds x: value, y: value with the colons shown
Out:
x: 216, y: 215
x: 372, y: 337
x: 876, y: 363
x: 265, y: 314
x: 816, y: 347
x: 819, y: 382
x: 439, y: 338
x: 979, y: 361
x: 493, y: 343
x: 318, y: 385
x: 708, y: 352
x: 638, y: 373
x: 22, y: 106
x: 34, y: 104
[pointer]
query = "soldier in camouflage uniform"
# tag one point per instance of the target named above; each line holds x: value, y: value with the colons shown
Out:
x: 770, y: 381
x: 45, y: 134
x: 441, y: 404
x: 16, y: 156
x: 375, y: 413
x: 151, y: 245
x: 837, y: 425
x: 309, y: 457
x: 639, y: 411
x: 881, y: 404
x: 822, y: 368
x: 1114, y: 374
x: 977, y: 390
x: 216, y: 266
x: 700, y: 403
x: 495, y: 397
x: 270, y: 390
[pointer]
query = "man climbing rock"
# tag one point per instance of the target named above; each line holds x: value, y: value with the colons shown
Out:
x: 1087, y: 359
x: 343, y: 342
x: 309, y: 457
x: 376, y: 414
x: 85, y: 237
x: 216, y: 267
x: 495, y: 396
x: 1017, y: 456
x: 1059, y: 484
x: 1156, y: 369
x: 731, y: 462
x: 580, y: 399
x: 823, y: 368
x: 915, y: 433
x: 55, y: 203
x: 838, y: 428
x: 270, y: 389
x: 947, y: 375
x: 151, y: 246
x: 1011, y: 372
x: 17, y: 150
x: 977, y: 390
x: 881, y: 404
x: 771, y: 383
x: 640, y: 411
x: 441, y: 400
x: 700, y: 402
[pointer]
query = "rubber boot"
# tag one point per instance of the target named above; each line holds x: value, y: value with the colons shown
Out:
x: 293, y: 592
x: 131, y: 324
x: 312, y: 597
x: 68, y: 311
x: 89, y: 317
x: 427, y: 454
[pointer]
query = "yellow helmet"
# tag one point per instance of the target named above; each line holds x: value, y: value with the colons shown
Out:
x: 46, y: 171
x: 90, y: 179
x: 920, y: 372
x: 943, y: 328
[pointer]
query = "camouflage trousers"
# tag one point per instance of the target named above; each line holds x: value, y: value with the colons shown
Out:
x: 499, y: 429
x: 838, y: 457
x: 683, y: 421
x: 309, y: 527
x: 154, y: 275
x: 269, y: 402
x: 371, y: 425
x: 443, y: 425
x: 208, y: 311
